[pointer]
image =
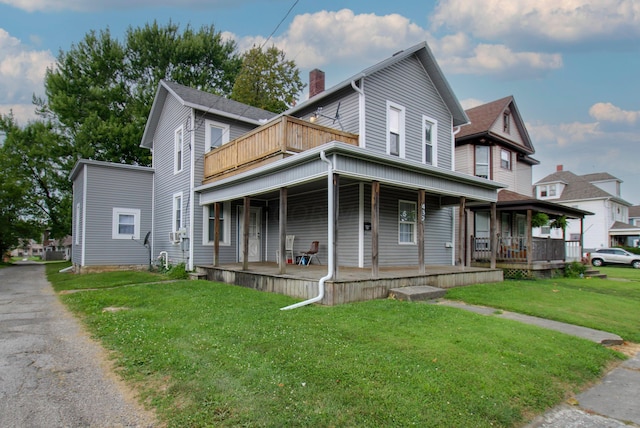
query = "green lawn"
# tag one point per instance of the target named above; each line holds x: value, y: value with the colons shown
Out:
x: 66, y: 281
x: 210, y: 354
x: 605, y: 304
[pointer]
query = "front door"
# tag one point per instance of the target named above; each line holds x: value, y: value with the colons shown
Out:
x: 255, y: 226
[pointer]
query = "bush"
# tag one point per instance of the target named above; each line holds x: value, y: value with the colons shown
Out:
x: 178, y: 272
x: 574, y: 270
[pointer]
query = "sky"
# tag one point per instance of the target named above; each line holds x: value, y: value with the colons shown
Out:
x: 573, y: 66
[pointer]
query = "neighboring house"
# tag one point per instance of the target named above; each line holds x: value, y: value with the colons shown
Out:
x: 496, y: 145
x: 599, y: 193
x: 372, y: 157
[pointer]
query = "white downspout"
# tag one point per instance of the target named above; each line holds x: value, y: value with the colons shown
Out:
x: 331, y: 230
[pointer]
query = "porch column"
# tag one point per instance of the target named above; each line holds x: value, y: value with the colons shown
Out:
x: 375, y: 220
x: 529, y: 240
x: 216, y: 235
x: 462, y: 235
x: 422, y: 211
x: 492, y: 235
x: 336, y: 210
x: 581, y: 237
x: 282, y: 245
x: 245, y: 234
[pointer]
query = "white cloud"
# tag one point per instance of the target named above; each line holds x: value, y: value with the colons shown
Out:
x: 565, y: 21
x: 471, y: 103
x: 22, y: 73
x: 23, y: 113
x: 608, y: 112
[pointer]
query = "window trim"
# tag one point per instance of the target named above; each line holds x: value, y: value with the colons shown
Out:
x: 433, y: 142
x: 177, y: 196
x: 115, y: 224
x: 475, y: 161
x: 226, y: 224
x: 508, y: 161
x: 401, y: 128
x: 506, y: 122
x: 207, y: 134
x: 413, y: 223
x: 78, y: 216
x: 178, y: 150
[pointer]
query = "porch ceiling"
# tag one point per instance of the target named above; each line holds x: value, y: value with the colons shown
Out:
x: 306, y: 171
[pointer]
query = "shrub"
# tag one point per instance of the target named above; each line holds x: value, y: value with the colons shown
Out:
x: 178, y: 271
x: 574, y: 270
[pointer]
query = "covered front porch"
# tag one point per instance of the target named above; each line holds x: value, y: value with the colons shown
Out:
x: 353, y: 284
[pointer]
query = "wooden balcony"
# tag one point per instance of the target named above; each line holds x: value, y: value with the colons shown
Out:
x: 273, y: 141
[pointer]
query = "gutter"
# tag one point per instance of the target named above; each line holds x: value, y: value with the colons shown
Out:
x: 331, y: 231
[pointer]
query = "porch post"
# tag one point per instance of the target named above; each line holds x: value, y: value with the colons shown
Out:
x: 282, y: 245
x: 422, y: 211
x: 581, y: 237
x: 462, y: 235
x: 216, y: 235
x: 375, y: 219
x: 529, y: 240
x: 245, y: 234
x: 492, y: 235
x: 336, y: 210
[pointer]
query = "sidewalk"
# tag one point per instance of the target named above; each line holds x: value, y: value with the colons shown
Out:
x: 612, y: 403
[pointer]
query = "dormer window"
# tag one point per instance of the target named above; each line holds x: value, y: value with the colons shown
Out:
x: 506, y: 122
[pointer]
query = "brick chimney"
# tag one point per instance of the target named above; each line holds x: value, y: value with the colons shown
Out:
x: 316, y: 82
x: 558, y: 168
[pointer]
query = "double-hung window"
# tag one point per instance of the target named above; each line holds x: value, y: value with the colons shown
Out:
x: 178, y: 150
x: 216, y: 134
x: 430, y: 138
x: 395, y: 129
x: 482, y: 161
x: 210, y: 224
x: 177, y: 212
x: 126, y: 223
x: 505, y: 159
x: 407, y: 213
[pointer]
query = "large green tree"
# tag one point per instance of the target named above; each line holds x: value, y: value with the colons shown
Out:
x: 101, y: 90
x: 267, y: 80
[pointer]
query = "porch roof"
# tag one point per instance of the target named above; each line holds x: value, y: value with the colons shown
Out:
x: 619, y: 228
x: 512, y: 201
x: 306, y: 169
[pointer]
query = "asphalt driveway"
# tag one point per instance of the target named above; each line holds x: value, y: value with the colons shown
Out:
x: 51, y: 373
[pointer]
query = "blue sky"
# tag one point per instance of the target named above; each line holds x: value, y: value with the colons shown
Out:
x: 573, y: 66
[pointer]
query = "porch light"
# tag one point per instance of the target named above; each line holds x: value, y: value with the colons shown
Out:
x: 318, y: 113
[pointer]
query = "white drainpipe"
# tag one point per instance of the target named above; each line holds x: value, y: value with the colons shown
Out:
x: 331, y: 226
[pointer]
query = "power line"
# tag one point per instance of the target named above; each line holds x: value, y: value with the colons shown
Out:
x: 280, y: 23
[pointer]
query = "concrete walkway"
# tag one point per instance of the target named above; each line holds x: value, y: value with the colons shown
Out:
x: 612, y: 403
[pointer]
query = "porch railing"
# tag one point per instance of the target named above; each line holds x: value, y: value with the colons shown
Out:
x: 270, y: 142
x: 514, y: 249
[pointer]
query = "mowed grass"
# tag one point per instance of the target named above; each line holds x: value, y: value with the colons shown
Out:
x: 66, y: 281
x: 211, y: 354
x: 611, y: 304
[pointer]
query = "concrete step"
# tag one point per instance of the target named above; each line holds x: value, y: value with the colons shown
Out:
x: 416, y: 293
x: 594, y: 273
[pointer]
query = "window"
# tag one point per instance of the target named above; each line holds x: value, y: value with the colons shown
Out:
x: 406, y: 222
x: 210, y: 224
x: 482, y: 161
x: 177, y: 212
x: 483, y: 223
x: 552, y: 189
x: 178, y: 148
x: 430, y: 138
x: 543, y: 192
x: 216, y: 134
x: 505, y: 159
x: 506, y: 122
x: 574, y: 237
x: 126, y: 223
x: 395, y: 130
x: 78, y: 224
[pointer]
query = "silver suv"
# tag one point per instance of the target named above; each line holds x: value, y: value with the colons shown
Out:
x: 614, y: 256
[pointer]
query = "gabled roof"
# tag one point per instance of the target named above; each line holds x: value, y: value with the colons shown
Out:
x: 203, y: 101
x: 634, y: 211
x: 484, y: 117
x: 579, y: 187
x: 599, y: 176
x: 422, y: 52
x: 620, y: 228
x: 512, y: 201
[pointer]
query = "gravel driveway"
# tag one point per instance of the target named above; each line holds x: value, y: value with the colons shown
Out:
x: 51, y: 373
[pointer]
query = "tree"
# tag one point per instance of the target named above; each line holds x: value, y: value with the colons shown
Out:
x: 101, y: 90
x: 35, y: 162
x: 267, y: 80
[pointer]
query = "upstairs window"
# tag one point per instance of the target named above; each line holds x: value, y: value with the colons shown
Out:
x: 430, y: 138
x: 216, y: 134
x: 395, y: 130
x: 178, y: 150
x: 505, y: 159
x: 407, y: 222
x: 482, y: 161
x: 552, y: 190
x: 506, y: 122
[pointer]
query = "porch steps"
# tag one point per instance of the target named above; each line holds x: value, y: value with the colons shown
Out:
x: 416, y: 293
x: 594, y: 273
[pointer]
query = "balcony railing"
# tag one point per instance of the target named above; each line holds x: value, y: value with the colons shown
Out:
x: 514, y: 249
x: 275, y: 140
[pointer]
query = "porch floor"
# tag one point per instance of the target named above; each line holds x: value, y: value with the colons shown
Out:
x: 352, y: 284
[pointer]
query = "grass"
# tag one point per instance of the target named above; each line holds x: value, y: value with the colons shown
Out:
x: 604, y: 304
x: 620, y: 272
x: 210, y: 354
x: 65, y: 281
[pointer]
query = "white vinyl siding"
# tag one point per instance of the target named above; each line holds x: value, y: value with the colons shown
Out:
x: 429, y: 141
x: 178, y: 157
x: 395, y: 129
x: 126, y: 223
